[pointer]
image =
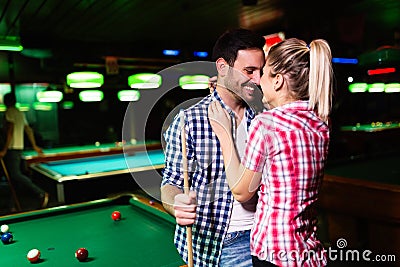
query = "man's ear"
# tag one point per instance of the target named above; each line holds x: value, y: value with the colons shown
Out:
x: 222, y: 66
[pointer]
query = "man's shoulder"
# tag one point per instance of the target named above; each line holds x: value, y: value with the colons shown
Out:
x: 200, y: 107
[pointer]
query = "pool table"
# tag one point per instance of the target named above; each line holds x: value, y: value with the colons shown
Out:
x: 80, y: 177
x: 371, y: 127
x: 143, y: 236
x: 371, y: 138
x: 73, y: 152
x: 361, y: 200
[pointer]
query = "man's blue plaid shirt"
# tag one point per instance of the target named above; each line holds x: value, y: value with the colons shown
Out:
x: 207, y: 178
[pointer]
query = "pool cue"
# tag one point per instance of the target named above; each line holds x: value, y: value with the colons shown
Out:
x: 186, y: 190
x: 11, y: 187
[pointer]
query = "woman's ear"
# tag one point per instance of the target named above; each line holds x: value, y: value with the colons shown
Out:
x: 278, y: 82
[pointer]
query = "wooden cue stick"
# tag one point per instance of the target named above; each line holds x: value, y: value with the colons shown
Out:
x: 186, y: 190
x: 11, y: 187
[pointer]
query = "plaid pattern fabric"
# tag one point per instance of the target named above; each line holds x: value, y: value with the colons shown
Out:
x: 207, y: 178
x: 289, y: 145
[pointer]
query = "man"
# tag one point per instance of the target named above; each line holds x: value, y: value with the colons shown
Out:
x: 16, y: 125
x: 220, y: 225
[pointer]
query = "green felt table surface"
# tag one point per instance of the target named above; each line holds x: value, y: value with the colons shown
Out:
x: 101, y: 164
x: 384, y: 169
x: 371, y: 127
x: 88, y: 150
x: 143, y: 237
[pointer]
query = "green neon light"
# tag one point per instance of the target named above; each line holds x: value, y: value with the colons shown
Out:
x: 91, y: 96
x: 49, y: 96
x: 85, y: 79
x: 374, y: 87
x: 144, y: 81
x: 193, y: 82
x: 129, y: 95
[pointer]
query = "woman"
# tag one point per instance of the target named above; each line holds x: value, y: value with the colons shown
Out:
x: 285, y: 154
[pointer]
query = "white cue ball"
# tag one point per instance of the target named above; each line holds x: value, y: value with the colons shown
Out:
x: 4, y: 228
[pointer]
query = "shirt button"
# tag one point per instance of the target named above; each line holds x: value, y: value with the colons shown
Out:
x: 229, y: 201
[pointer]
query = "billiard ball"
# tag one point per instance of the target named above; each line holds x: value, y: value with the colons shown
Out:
x: 7, y: 238
x: 81, y: 254
x: 33, y: 255
x: 116, y: 215
x: 151, y: 202
x: 4, y: 228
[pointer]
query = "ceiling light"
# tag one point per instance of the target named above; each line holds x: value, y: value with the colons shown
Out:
x: 193, y: 82
x: 91, y: 96
x: 22, y: 107
x: 171, y: 52
x: 85, y: 79
x: 144, y: 81
x: 129, y: 95
x: 200, y: 54
x: 67, y: 105
x: 49, y: 96
x: 42, y: 106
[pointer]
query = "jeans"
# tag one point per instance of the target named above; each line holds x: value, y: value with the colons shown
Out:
x: 20, y: 181
x: 236, y: 250
x: 260, y: 263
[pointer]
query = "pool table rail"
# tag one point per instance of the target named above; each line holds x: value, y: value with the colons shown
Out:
x: 135, y: 200
x: 31, y: 157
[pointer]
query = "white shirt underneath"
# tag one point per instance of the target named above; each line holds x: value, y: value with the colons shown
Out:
x: 242, y: 216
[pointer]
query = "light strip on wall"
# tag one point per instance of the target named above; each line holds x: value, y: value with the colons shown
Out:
x: 358, y: 87
x: 376, y: 87
x: 381, y: 71
x: 11, y: 45
x: 392, y: 88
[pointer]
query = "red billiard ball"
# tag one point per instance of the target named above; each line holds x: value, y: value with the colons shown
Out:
x: 151, y: 202
x: 116, y: 215
x: 7, y: 238
x: 81, y: 254
x: 33, y: 255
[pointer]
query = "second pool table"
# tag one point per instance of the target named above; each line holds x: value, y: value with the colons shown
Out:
x: 102, y: 174
x: 84, y: 151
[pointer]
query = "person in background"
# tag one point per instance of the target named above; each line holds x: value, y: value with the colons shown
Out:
x: 285, y: 154
x: 220, y: 225
x: 16, y: 125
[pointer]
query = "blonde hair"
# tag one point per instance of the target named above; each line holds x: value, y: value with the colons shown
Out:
x: 307, y: 69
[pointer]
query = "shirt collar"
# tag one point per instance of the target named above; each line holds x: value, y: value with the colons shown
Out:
x: 297, y: 105
x: 250, y: 113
